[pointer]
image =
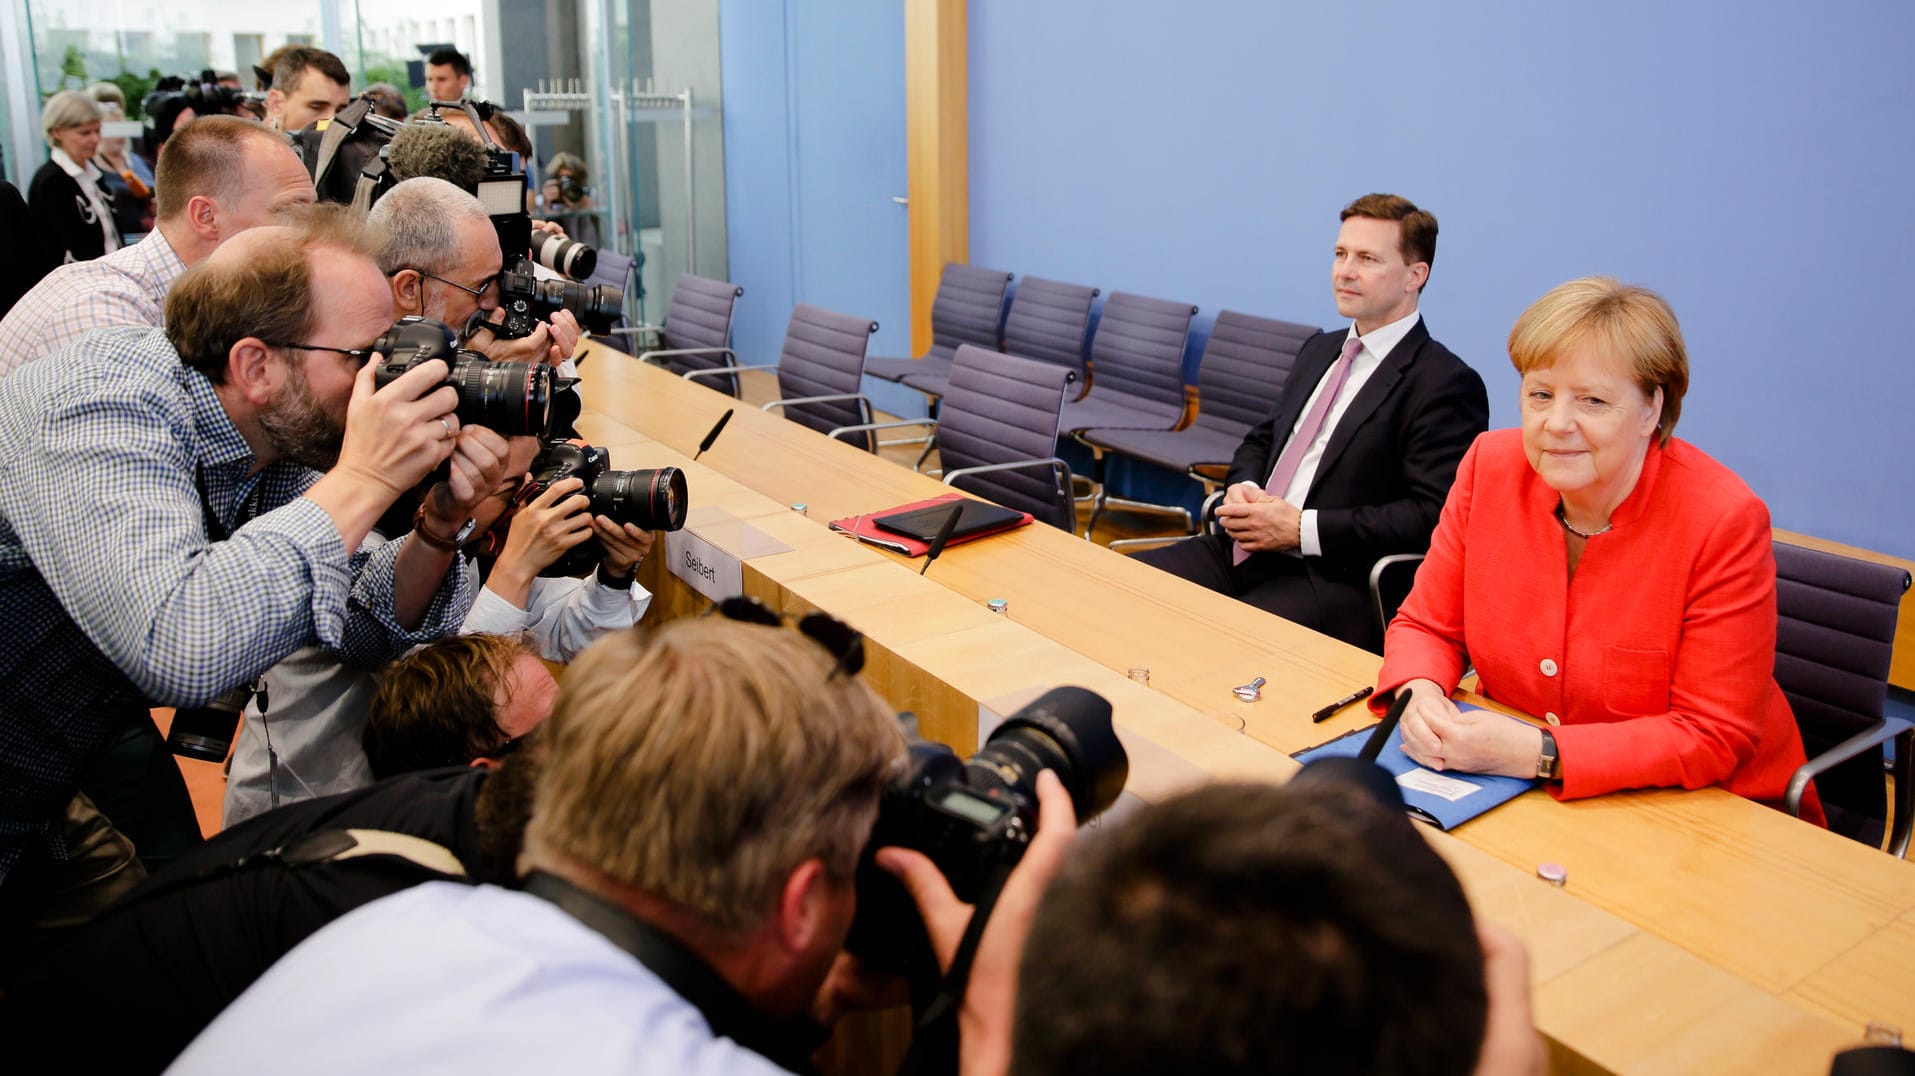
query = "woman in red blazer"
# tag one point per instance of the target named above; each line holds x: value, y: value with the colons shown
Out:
x: 1603, y: 576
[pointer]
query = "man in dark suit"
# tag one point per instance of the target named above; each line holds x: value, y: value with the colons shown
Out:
x: 1356, y: 459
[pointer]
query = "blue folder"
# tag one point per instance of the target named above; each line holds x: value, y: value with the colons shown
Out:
x: 1445, y: 799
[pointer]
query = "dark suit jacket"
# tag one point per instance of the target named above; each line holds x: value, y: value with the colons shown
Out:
x: 69, y: 231
x: 1389, y: 463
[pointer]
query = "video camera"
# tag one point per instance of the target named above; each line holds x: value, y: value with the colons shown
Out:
x: 974, y: 818
x: 202, y: 93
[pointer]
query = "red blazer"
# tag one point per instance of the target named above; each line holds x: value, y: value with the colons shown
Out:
x: 1658, y: 659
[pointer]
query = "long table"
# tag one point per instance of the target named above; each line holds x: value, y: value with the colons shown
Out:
x: 1697, y: 929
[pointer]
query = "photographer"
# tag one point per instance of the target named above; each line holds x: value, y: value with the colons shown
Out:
x: 220, y: 176
x: 1238, y: 928
x: 308, y: 85
x: 566, y: 194
x: 563, y: 615
x: 166, y: 533
x: 158, y: 966
x: 443, y: 260
x: 467, y: 700
x: 310, y: 740
x: 448, y: 74
x: 685, y: 907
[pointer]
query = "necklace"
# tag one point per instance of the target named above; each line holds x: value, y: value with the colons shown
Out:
x: 1571, y: 527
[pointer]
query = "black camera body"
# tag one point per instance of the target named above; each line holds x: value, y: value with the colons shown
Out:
x: 510, y: 398
x: 525, y: 300
x: 654, y: 500
x: 974, y: 818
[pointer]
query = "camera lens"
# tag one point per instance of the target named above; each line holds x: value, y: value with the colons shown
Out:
x: 206, y: 732
x: 595, y: 305
x: 561, y: 255
x: 653, y: 500
x: 1067, y: 731
x: 510, y: 398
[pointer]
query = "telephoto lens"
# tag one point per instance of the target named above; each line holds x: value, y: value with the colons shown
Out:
x: 562, y: 255
x: 974, y: 818
x: 653, y: 499
x: 512, y: 399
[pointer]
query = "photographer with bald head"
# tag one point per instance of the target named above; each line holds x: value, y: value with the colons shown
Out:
x: 443, y: 260
x: 180, y: 509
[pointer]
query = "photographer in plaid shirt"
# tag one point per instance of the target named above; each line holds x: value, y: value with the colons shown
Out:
x: 167, y: 533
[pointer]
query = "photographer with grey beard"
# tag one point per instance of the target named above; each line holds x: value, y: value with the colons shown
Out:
x: 167, y: 533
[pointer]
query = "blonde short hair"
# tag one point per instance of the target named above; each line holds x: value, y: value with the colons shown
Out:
x: 1621, y: 319
x: 706, y: 762
x: 68, y: 108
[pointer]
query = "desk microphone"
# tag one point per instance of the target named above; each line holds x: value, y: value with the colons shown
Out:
x: 944, y: 535
x: 1373, y: 746
x: 713, y: 435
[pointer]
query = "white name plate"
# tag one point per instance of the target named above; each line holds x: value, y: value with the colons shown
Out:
x: 704, y: 567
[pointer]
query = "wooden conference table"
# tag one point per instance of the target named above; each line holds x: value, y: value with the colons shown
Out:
x: 1697, y: 930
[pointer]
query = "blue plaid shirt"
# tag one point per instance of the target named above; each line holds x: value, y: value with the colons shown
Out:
x: 114, y: 594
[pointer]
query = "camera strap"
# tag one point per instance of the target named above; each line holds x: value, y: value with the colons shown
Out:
x: 934, y: 1037
x: 215, y: 529
x: 787, y: 1043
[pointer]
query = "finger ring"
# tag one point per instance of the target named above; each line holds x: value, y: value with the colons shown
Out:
x: 447, y: 423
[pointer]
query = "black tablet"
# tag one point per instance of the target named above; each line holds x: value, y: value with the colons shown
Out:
x: 923, y: 524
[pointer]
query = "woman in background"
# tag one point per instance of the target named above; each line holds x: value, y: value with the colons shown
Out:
x: 74, y: 214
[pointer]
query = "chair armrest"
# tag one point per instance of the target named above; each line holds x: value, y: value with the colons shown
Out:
x: 1060, y: 473
x: 648, y: 356
x: 843, y: 397
x: 1057, y: 466
x: 867, y: 427
x: 1874, y: 736
x: 1384, y: 564
x: 634, y: 330
x: 1207, y: 513
x: 1122, y: 545
x: 718, y: 371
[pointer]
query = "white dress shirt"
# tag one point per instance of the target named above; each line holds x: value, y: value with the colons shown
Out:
x: 1377, y: 345
x: 463, y: 980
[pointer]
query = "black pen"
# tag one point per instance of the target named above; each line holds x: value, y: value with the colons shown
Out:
x: 1354, y: 696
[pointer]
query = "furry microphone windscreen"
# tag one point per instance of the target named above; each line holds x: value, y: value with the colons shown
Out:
x: 437, y: 150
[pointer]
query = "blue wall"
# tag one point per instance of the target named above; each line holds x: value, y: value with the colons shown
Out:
x: 1751, y: 161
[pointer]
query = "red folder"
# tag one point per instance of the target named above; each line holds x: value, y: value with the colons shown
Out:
x: 862, y: 527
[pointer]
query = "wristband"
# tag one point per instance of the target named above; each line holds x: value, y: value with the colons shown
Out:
x: 619, y: 582
x: 444, y: 545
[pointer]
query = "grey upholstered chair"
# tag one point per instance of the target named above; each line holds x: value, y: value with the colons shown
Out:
x: 820, y: 370
x: 1834, y: 635
x: 1136, y: 366
x: 1244, y: 367
x: 697, y: 330
x: 997, y: 432
x: 967, y: 310
x: 1047, y: 322
x: 616, y: 270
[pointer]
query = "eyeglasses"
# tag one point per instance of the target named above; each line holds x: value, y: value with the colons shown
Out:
x: 840, y: 640
x: 361, y: 355
x: 477, y: 293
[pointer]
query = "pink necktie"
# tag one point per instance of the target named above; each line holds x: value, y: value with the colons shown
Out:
x: 1306, y: 435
